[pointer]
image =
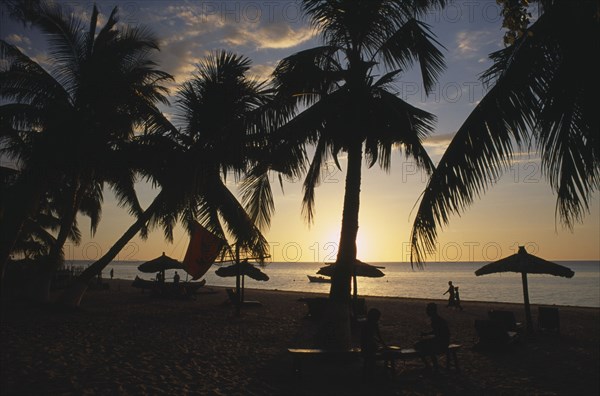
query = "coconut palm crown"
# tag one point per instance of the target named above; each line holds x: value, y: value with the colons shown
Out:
x: 66, y: 121
x: 346, y: 91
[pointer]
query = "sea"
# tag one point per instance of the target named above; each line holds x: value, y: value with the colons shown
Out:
x: 400, y: 280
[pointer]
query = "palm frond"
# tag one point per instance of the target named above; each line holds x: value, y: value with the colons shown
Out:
x: 542, y: 86
x: 313, y: 179
x: 257, y: 199
x: 476, y: 157
x: 305, y: 76
x: 414, y: 42
x: 245, y: 233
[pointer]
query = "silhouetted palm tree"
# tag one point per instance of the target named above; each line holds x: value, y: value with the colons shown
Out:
x: 36, y: 238
x: 101, y: 87
x: 350, y: 107
x: 217, y: 140
x: 544, y: 90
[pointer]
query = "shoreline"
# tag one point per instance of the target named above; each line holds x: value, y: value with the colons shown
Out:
x: 124, y: 342
x: 393, y: 297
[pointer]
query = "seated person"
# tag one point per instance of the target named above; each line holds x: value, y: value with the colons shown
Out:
x: 371, y: 341
x: 434, y: 341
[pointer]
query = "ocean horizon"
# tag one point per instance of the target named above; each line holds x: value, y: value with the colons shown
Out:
x: 401, y: 280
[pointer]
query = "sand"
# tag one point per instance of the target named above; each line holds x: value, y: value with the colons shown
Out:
x: 123, y: 342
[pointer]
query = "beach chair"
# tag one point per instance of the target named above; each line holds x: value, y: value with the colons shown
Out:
x: 548, y: 320
x: 492, y: 334
x: 506, y: 319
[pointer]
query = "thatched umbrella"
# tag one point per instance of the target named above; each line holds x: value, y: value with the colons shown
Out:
x: 360, y: 269
x: 525, y: 263
x: 160, y: 264
x: 245, y: 268
x: 240, y: 270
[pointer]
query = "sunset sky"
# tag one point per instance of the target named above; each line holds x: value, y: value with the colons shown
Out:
x: 519, y: 210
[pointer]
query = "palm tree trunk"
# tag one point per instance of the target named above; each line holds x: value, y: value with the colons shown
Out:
x: 335, y: 329
x: 346, y: 258
x: 73, y: 295
x: 238, y: 275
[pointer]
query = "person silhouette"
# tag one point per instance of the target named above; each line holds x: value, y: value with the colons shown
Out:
x: 176, y: 277
x: 112, y: 273
x: 435, y: 341
x: 450, y: 295
x: 457, y: 298
x: 371, y: 341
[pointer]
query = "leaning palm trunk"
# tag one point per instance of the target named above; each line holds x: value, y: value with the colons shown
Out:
x: 74, y: 294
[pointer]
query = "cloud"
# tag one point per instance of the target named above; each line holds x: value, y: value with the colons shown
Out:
x: 190, y: 31
x: 475, y: 43
x: 18, y: 39
x: 438, y: 143
x: 263, y: 71
x: 272, y: 36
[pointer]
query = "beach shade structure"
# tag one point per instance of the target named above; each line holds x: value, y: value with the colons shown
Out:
x: 241, y: 270
x: 160, y: 264
x: 525, y: 263
x: 360, y: 269
x: 244, y: 268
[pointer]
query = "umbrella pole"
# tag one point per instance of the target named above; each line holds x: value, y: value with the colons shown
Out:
x: 243, y: 289
x: 526, y: 299
x: 237, y: 279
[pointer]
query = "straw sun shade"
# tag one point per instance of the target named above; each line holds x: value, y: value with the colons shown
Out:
x: 525, y: 263
x: 360, y: 269
x: 160, y: 264
x: 245, y: 268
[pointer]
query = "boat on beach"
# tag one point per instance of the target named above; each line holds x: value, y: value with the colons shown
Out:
x: 145, y: 284
x: 318, y: 279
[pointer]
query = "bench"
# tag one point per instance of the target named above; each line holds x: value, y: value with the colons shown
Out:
x: 389, y: 356
x: 299, y: 355
x: 392, y: 354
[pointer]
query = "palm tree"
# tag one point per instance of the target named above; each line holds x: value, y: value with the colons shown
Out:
x: 36, y: 239
x: 544, y: 91
x: 216, y: 110
x: 349, y: 109
x: 102, y: 86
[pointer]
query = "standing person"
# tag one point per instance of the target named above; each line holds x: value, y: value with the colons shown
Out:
x: 457, y: 298
x: 112, y: 273
x: 435, y: 341
x: 451, y: 295
x: 176, y: 277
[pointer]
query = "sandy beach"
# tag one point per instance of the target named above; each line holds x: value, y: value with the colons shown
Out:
x: 123, y: 342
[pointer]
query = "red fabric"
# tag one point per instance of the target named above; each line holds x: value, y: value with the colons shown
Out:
x: 202, y: 251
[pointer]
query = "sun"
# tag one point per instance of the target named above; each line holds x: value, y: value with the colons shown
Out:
x: 330, y: 244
